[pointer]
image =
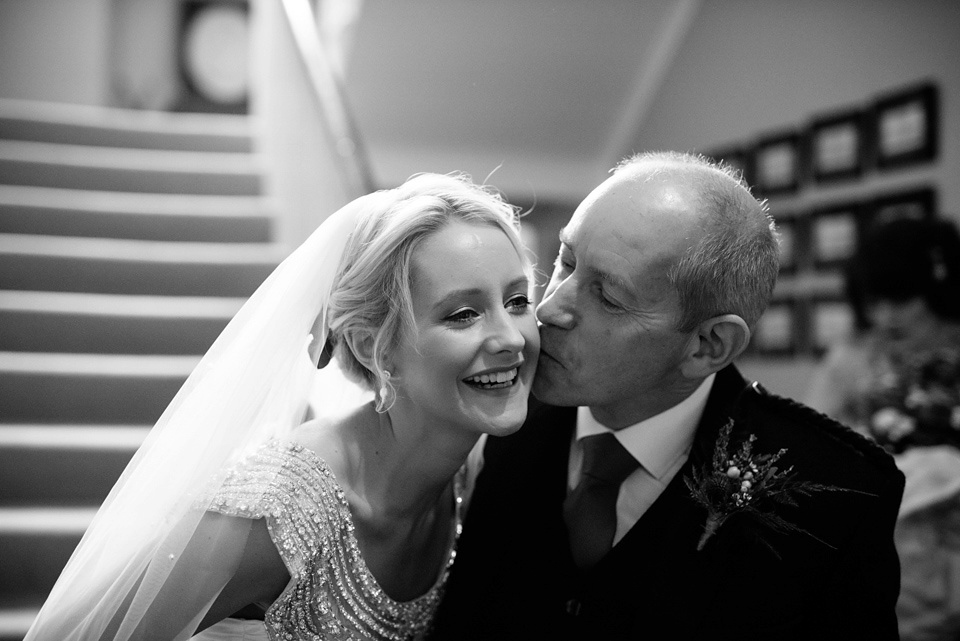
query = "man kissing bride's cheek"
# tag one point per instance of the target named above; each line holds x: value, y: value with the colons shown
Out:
x: 653, y: 492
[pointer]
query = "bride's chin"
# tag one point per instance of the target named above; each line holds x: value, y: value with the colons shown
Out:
x: 504, y: 426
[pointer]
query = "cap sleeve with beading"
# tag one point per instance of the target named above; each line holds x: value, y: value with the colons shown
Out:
x: 289, y: 486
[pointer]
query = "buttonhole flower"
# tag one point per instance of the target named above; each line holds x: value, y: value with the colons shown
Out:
x: 741, y: 483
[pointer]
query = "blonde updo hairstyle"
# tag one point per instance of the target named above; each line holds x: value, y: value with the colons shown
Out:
x: 371, y: 308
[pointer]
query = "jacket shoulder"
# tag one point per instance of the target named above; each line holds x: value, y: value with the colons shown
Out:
x: 825, y: 435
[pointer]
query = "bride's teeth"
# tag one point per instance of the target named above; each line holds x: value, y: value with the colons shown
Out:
x: 498, y: 377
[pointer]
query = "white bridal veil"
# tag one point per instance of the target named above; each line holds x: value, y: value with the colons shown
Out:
x: 252, y: 385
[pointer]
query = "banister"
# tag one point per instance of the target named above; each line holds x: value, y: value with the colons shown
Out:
x: 328, y: 91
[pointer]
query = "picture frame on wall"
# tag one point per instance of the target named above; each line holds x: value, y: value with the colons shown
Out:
x: 831, y: 320
x: 837, y: 144
x: 906, y: 126
x: 835, y: 232
x: 212, y: 52
x: 918, y: 203
x: 776, y: 163
x: 776, y: 331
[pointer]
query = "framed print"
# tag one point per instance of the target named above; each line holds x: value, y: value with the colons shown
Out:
x: 906, y: 126
x: 776, y: 164
x: 213, y: 49
x: 837, y: 146
x: 915, y: 203
x: 776, y: 331
x: 738, y: 158
x: 834, y: 234
x: 831, y: 321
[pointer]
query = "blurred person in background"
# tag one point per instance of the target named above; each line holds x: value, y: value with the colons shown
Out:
x: 897, y: 380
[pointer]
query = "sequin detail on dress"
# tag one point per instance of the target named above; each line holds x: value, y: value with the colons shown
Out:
x: 333, y: 596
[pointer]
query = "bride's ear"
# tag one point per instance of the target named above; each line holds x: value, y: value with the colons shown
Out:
x: 718, y: 341
x: 361, y: 344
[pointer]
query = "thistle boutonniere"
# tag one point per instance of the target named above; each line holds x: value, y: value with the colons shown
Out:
x: 747, y: 485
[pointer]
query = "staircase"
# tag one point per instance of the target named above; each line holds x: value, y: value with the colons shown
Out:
x: 127, y: 241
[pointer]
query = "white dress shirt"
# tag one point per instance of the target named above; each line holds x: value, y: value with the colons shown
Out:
x: 661, y: 444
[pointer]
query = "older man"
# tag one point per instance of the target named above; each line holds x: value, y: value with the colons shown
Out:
x: 657, y: 494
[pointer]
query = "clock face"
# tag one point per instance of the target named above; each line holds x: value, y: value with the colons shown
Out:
x: 216, y: 45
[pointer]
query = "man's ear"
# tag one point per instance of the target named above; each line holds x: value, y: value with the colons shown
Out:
x: 717, y: 343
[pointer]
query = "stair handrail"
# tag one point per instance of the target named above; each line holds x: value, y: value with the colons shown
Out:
x: 330, y: 96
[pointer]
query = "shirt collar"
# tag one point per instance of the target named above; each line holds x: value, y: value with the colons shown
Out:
x: 658, y: 441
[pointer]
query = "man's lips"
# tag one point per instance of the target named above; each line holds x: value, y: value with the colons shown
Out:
x: 545, y: 355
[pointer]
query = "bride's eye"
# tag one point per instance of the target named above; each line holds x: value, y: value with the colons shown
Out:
x: 461, y: 316
x: 518, y: 303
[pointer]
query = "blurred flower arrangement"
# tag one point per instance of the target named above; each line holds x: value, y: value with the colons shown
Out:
x: 914, y: 400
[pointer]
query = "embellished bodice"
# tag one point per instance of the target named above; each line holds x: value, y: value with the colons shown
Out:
x: 332, y: 594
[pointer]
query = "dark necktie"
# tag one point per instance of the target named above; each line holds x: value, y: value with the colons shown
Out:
x: 591, y: 509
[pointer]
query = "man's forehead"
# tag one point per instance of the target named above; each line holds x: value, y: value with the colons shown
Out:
x: 633, y: 207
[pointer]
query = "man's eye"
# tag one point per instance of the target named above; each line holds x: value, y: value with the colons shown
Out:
x: 564, y: 264
x: 609, y: 304
x: 606, y: 303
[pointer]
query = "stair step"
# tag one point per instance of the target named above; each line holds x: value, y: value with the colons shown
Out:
x: 43, y: 164
x: 89, y: 388
x: 50, y: 263
x: 111, y: 324
x: 106, y: 214
x: 88, y: 125
x: 37, y: 543
x: 63, y: 464
x: 15, y: 621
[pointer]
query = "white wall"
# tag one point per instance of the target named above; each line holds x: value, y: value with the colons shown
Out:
x: 755, y: 66
x: 55, y: 50
x: 144, y: 55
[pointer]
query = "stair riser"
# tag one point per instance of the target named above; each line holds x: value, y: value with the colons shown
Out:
x: 61, y: 222
x: 89, y: 333
x: 30, y: 565
x: 38, y: 174
x: 58, y: 477
x: 164, y: 192
x: 56, y: 398
x: 67, y: 274
x: 12, y: 128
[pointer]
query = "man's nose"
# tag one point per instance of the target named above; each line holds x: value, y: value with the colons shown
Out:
x: 556, y: 308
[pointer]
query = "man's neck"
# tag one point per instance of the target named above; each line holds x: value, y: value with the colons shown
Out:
x: 632, y: 411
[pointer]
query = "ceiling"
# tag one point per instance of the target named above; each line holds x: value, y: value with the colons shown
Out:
x: 546, y: 95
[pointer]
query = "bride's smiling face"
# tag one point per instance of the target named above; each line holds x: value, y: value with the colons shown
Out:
x: 471, y: 358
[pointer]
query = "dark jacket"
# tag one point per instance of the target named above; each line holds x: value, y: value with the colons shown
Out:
x: 514, y: 577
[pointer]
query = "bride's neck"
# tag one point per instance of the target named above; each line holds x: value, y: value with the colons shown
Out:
x: 401, y: 467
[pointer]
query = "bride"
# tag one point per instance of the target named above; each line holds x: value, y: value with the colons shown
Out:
x: 335, y: 519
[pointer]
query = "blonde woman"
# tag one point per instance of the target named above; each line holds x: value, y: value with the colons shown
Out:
x: 345, y: 526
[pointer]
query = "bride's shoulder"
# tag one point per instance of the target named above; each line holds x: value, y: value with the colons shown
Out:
x: 329, y: 438
x: 321, y: 436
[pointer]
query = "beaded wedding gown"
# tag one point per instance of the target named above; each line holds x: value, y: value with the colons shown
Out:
x: 332, y: 595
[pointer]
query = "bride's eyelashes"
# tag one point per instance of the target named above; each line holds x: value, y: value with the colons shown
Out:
x: 517, y: 304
